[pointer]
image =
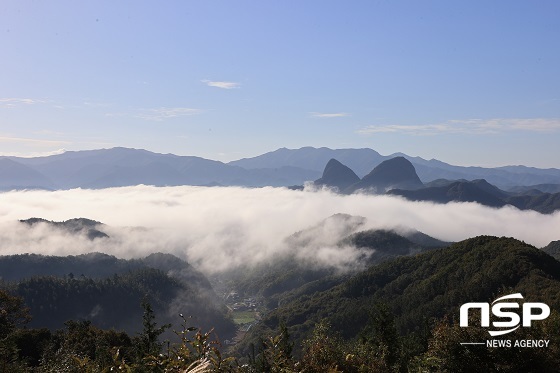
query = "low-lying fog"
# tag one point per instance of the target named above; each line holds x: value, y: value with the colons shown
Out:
x: 217, y: 227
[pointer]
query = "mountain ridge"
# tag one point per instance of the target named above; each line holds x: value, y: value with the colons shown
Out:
x: 283, y: 167
x: 398, y: 177
x: 365, y: 159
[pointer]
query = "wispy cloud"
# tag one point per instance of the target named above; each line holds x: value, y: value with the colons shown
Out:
x: 158, y: 114
x: 222, y: 85
x: 40, y: 142
x: 33, y: 154
x: 406, y: 129
x: 163, y: 113
x: 469, y: 126
x: 551, y: 101
x: 13, y: 102
x: 328, y: 115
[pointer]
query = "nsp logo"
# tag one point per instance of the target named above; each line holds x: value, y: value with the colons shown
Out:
x: 499, y: 309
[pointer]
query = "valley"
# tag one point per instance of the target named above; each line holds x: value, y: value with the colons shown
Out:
x: 279, y: 186
x: 411, y: 285
x: 275, y: 276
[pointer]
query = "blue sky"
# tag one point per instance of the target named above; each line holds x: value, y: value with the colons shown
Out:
x: 466, y: 82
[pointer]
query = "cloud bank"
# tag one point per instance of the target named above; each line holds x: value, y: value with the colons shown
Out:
x: 217, y: 228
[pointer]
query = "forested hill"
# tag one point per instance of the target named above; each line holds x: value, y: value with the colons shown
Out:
x: 88, y: 227
x: 109, y: 291
x: 429, y: 285
x: 96, y: 266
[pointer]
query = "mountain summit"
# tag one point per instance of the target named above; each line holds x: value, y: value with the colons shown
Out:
x: 337, y: 175
x: 395, y: 173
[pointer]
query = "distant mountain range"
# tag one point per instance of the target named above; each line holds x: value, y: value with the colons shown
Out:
x: 397, y: 176
x: 283, y: 167
x: 362, y: 161
x: 124, y: 167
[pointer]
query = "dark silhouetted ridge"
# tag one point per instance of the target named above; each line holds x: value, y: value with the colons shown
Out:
x: 459, y: 191
x: 337, y: 175
x: 395, y: 173
x: 90, y: 228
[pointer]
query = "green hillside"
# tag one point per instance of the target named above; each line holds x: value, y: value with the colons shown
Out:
x: 400, y: 315
x: 108, y: 291
x: 420, y: 289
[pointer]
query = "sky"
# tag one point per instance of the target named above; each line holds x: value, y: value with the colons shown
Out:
x: 465, y: 82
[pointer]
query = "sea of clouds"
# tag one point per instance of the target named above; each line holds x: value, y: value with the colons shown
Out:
x: 217, y: 228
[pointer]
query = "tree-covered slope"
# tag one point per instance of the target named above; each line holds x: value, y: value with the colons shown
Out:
x: 429, y: 285
x: 545, y: 203
x: 109, y: 303
x: 95, y: 265
x: 109, y: 291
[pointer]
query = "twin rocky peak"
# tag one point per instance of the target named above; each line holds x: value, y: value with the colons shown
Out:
x: 397, y: 176
x: 395, y: 173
